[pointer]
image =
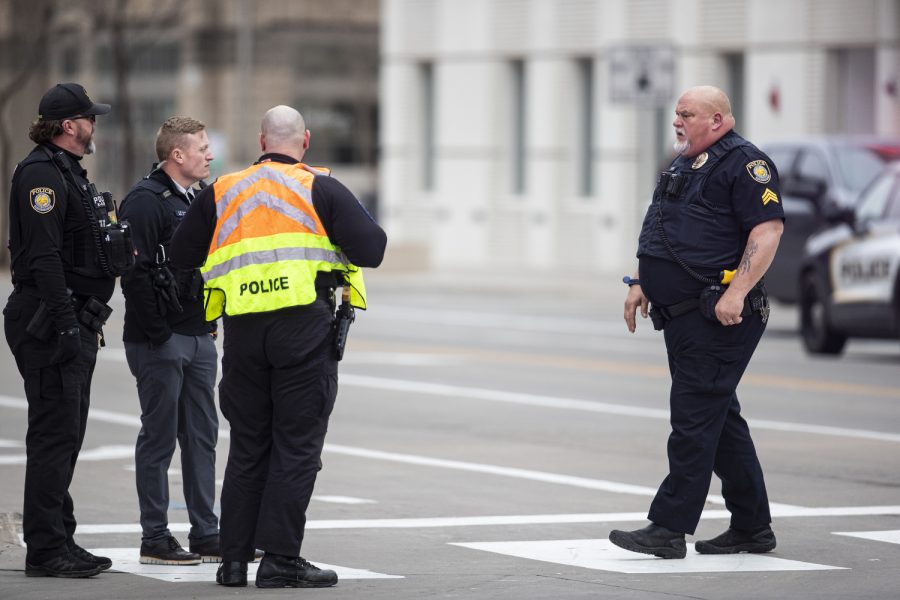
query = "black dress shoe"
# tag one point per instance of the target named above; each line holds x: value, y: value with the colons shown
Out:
x: 79, y: 552
x: 652, y: 539
x: 278, y: 571
x: 735, y: 541
x: 64, y: 565
x: 167, y: 552
x: 232, y: 573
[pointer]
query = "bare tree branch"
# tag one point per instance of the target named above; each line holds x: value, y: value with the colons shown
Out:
x: 34, y: 55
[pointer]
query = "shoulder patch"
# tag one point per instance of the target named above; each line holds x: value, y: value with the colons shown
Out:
x: 769, y: 196
x: 759, y: 171
x: 42, y: 199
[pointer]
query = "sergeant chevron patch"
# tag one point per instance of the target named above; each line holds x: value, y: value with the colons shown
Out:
x: 769, y: 196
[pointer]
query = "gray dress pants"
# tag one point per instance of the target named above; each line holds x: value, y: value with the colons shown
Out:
x: 175, y: 383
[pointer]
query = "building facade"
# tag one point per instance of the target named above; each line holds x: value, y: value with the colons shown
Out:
x: 528, y: 133
x: 224, y: 62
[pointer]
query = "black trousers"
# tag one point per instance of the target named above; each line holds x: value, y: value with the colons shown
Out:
x: 58, y: 399
x: 709, y: 435
x: 278, y: 388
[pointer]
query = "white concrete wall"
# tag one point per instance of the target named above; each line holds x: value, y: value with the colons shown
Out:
x: 472, y: 218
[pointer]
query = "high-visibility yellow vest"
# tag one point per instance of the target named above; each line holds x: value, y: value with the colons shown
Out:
x: 269, y: 243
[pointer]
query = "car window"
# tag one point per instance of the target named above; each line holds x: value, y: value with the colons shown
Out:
x: 812, y: 165
x: 783, y: 159
x: 858, y: 166
x: 894, y: 208
x: 874, y: 200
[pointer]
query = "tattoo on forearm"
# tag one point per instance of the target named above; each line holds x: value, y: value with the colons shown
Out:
x: 749, y: 252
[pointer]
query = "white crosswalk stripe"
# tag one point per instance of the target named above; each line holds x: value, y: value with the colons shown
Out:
x: 603, y: 555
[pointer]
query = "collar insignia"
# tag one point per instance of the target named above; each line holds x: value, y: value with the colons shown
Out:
x: 700, y: 160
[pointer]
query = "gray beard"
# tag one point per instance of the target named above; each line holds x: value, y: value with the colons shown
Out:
x: 681, y: 147
x: 90, y: 148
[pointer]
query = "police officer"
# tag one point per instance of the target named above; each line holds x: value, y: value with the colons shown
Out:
x: 277, y: 238
x: 716, y: 214
x: 171, y: 353
x: 61, y: 276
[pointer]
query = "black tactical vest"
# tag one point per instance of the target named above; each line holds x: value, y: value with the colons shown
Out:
x: 703, y: 231
x: 79, y: 251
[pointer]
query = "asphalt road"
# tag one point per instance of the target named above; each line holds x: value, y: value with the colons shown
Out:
x: 488, y: 435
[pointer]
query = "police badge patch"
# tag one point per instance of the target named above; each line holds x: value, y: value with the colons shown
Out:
x: 42, y: 199
x: 759, y: 171
x: 700, y: 160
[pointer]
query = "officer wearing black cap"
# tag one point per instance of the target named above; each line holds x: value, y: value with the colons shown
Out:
x: 709, y: 236
x: 63, y: 272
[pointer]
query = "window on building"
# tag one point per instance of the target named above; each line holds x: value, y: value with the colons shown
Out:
x: 734, y: 77
x: 68, y: 61
x: 851, y: 85
x: 519, y: 114
x: 584, y: 152
x: 145, y: 58
x: 426, y: 77
x: 337, y: 131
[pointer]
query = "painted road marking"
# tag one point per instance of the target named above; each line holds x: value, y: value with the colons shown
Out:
x: 890, y: 536
x: 516, y: 520
x: 605, y: 556
x: 126, y: 560
x: 436, y: 389
x: 556, y: 478
x: 456, y: 391
x: 98, y: 453
x: 343, y: 500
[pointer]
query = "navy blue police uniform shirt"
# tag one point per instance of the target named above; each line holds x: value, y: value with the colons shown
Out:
x: 743, y: 184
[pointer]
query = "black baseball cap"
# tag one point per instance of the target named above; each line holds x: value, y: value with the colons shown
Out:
x: 67, y: 100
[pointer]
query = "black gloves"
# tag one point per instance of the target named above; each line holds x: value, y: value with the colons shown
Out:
x: 68, y: 345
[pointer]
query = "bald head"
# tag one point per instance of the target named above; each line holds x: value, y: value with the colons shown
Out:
x: 702, y: 117
x: 714, y: 99
x: 283, y: 130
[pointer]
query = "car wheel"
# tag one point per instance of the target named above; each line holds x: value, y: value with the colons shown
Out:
x: 815, y: 325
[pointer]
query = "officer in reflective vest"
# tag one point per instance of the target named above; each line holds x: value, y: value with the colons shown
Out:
x: 274, y: 241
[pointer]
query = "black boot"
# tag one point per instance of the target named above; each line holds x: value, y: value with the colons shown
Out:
x: 278, y: 571
x: 735, y: 541
x: 232, y: 573
x: 652, y: 539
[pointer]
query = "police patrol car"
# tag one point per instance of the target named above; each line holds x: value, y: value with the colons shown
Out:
x: 850, y: 278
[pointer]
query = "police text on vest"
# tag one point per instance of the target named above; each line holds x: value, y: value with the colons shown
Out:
x: 265, y: 286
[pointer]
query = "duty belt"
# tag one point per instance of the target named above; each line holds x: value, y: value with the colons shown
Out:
x: 758, y: 302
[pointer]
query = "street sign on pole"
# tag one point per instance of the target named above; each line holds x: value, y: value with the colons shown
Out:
x: 643, y: 75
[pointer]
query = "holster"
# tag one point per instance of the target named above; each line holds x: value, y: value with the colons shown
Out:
x: 92, y: 313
